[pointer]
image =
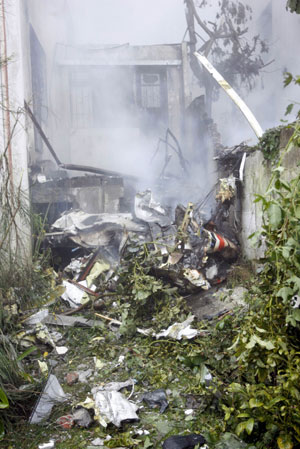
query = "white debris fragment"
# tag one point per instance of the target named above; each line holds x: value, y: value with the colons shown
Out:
x: 196, y: 278
x: 49, y: 445
x: 44, y: 335
x: 211, y: 272
x: 208, y: 378
x: 177, y: 331
x: 114, y: 386
x: 52, y: 393
x: 113, y: 407
x: 189, y: 411
x: 84, y: 375
x: 43, y: 367
x: 99, y: 364
x: 37, y: 317
x: 73, y: 294
x: 98, y: 442
x: 295, y: 301
x: 232, y: 93
x: 142, y: 432
x: 148, y: 210
x: 75, y: 266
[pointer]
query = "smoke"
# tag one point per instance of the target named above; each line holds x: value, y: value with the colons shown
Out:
x: 112, y: 117
x: 138, y: 22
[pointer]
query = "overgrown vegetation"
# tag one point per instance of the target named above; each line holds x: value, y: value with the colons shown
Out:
x: 264, y: 401
x: 23, y: 284
x: 143, y: 295
x: 293, y: 6
x: 269, y: 144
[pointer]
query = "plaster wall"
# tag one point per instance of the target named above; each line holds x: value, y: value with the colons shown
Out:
x: 12, y: 129
x: 257, y: 177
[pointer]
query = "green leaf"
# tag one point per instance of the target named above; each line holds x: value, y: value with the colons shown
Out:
x: 285, y: 293
x: 237, y: 388
x: 289, y: 108
x: 296, y: 314
x: 284, y: 442
x: 26, y: 353
x: 295, y: 279
x: 286, y: 252
x: 259, y: 329
x: 288, y: 78
x: 249, y: 425
x: 203, y: 372
x: 245, y: 426
x: 2, y: 431
x: 295, y: 393
x: 263, y: 343
x: 243, y: 415
x: 240, y: 428
x: 255, y: 403
x: 3, y: 400
x: 275, y: 215
x: 251, y: 343
x: 142, y: 294
x: 147, y: 443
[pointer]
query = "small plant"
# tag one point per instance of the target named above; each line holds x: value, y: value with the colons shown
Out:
x: 269, y: 144
x: 288, y: 79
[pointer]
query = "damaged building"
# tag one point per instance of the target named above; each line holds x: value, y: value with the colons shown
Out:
x: 135, y: 311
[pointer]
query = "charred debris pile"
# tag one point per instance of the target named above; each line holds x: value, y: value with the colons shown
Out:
x: 129, y: 281
x: 179, y: 246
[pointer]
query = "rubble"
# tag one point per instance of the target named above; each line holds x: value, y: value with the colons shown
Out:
x: 82, y: 417
x: 180, y: 330
x: 117, y: 386
x: 84, y: 375
x: 156, y: 398
x: 184, y: 441
x: 66, y: 422
x: 113, y: 407
x: 51, y: 394
x: 217, y: 302
x: 71, y: 378
x: 74, y: 295
x: 69, y: 321
x: 150, y: 211
x: 96, y: 230
x: 184, y: 254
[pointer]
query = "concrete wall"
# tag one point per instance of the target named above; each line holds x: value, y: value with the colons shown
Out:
x: 256, y: 180
x: 50, y: 26
x: 13, y: 137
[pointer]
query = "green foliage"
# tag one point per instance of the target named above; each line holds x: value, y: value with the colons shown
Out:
x: 264, y: 402
x: 269, y: 144
x: 141, y: 294
x: 3, y: 404
x: 293, y: 6
x: 288, y: 79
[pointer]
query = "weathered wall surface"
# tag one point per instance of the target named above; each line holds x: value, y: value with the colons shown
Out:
x: 13, y: 138
x: 256, y: 180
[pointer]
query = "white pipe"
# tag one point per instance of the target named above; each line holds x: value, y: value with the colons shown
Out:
x: 232, y: 94
x: 242, y: 167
